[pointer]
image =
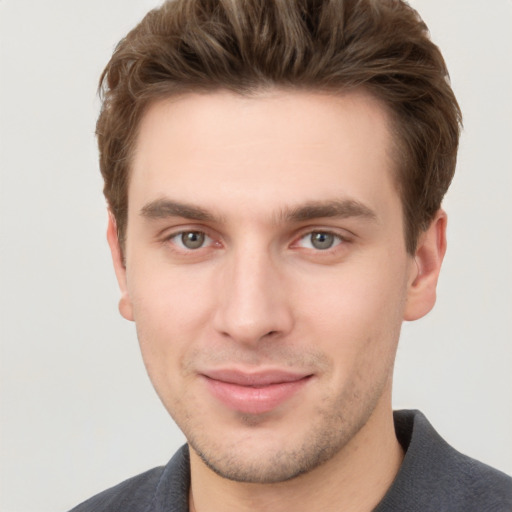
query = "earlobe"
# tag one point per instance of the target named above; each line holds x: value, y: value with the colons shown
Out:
x: 125, y: 305
x: 421, y: 295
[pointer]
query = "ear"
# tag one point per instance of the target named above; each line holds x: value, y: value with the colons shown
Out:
x: 125, y: 304
x: 421, y: 295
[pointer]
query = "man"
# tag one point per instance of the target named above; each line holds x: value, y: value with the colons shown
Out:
x: 274, y: 173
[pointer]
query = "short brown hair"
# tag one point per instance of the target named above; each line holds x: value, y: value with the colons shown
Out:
x: 244, y: 46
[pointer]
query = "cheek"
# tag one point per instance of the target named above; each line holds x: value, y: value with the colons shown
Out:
x: 171, y: 309
x: 357, y: 313
x: 168, y: 297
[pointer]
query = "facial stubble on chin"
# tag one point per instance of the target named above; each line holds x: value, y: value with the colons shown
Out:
x: 331, y: 431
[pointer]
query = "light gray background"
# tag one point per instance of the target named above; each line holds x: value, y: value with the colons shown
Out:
x: 77, y: 411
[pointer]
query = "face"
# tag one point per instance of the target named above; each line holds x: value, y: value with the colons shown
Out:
x: 267, y: 274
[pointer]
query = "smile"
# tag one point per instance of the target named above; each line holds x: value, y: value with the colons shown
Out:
x: 254, y: 393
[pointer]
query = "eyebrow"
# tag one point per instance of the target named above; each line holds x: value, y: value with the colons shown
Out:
x: 346, y: 208
x: 335, y: 208
x: 163, y: 208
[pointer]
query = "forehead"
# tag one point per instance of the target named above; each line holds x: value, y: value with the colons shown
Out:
x: 274, y: 149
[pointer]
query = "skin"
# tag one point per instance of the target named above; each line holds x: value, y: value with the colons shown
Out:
x: 257, y: 176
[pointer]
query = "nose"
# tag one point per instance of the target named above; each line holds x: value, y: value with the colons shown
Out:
x: 252, y: 303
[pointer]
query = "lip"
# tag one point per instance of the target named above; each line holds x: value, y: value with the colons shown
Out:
x: 254, y: 392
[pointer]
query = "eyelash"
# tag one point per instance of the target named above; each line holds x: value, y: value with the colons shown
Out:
x: 175, y: 239
x: 338, y: 239
x: 176, y: 236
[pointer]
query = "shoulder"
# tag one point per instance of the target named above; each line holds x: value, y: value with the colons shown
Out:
x: 148, y: 491
x: 475, y: 485
x: 436, y: 477
x: 132, y: 494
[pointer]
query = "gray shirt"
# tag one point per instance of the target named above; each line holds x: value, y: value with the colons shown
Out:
x: 433, y: 477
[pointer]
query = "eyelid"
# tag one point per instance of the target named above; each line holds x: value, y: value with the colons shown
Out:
x: 178, y: 240
x: 185, y: 227
x: 336, y: 236
x: 344, y: 238
x: 343, y: 234
x: 168, y: 235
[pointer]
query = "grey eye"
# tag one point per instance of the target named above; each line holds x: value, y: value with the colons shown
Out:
x: 322, y: 240
x: 193, y: 239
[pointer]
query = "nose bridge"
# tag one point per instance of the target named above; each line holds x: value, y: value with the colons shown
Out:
x: 251, y: 304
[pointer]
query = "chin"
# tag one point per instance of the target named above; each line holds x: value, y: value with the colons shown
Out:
x: 265, y: 468
x: 264, y: 453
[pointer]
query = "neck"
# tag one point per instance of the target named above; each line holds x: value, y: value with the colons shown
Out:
x: 356, y: 478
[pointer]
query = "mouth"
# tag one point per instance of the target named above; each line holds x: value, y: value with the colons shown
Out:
x: 254, y: 393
